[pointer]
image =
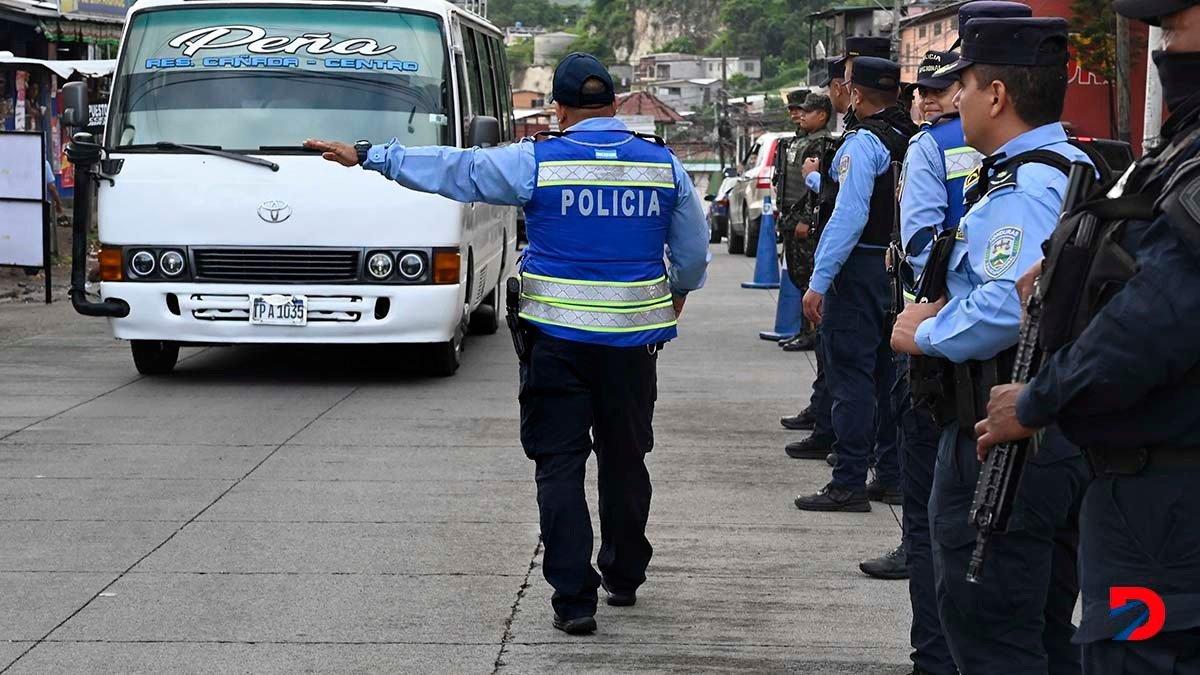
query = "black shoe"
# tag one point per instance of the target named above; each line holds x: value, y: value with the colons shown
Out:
x: 877, y: 492
x: 803, y: 342
x: 890, y: 565
x: 808, y: 448
x: 804, y: 420
x: 580, y: 625
x: 619, y: 598
x: 831, y: 498
x: 831, y: 459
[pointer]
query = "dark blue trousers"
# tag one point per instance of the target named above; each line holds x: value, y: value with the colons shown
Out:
x: 918, y: 449
x: 860, y: 371
x: 821, y: 402
x: 578, y: 398
x: 1018, y: 619
x: 1141, y: 531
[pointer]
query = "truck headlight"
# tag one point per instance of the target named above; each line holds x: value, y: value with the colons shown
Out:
x: 171, y: 263
x: 412, y: 266
x: 142, y: 263
x: 380, y: 265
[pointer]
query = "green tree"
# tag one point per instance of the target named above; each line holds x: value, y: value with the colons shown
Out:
x: 1093, y: 28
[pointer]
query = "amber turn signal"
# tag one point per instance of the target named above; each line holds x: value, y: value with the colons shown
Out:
x: 111, y: 264
x: 447, y: 265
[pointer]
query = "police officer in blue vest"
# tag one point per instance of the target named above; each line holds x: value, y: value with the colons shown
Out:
x: 599, y: 302
x: 1014, y: 78
x: 1123, y: 381
x: 848, y: 293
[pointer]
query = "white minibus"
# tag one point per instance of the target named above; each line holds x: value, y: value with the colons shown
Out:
x: 217, y: 227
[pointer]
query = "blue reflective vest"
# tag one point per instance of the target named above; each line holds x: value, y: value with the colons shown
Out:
x: 597, y: 226
x: 960, y: 160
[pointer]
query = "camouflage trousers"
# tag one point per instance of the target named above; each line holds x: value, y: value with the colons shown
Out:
x: 799, y: 254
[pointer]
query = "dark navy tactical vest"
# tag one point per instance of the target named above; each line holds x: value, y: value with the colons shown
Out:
x: 597, y: 225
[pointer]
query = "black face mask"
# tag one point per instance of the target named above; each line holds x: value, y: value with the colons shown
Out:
x: 1180, y: 75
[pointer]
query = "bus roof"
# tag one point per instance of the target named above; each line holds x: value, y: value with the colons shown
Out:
x: 439, y: 7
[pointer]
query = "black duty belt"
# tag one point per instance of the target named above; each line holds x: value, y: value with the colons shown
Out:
x: 1132, y: 461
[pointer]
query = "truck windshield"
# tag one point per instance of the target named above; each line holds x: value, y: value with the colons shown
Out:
x: 245, y: 78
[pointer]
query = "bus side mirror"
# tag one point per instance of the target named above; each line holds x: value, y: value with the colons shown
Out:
x: 484, y: 132
x: 75, y: 105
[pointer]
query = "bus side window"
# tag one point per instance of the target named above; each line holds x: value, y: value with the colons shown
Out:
x: 489, y: 76
x: 474, y: 74
x: 503, y: 88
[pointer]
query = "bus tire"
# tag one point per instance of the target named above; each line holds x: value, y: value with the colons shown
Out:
x: 154, y: 357
x: 485, y: 320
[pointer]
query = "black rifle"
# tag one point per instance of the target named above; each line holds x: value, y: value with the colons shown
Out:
x: 1000, y: 475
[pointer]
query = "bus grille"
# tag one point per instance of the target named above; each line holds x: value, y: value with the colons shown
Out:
x: 277, y: 265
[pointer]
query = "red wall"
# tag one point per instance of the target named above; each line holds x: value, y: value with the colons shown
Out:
x: 1089, y: 111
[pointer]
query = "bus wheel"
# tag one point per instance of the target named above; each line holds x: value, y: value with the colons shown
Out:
x: 485, y: 320
x: 154, y: 357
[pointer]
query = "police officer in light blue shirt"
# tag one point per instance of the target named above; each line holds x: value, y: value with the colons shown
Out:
x: 597, y: 303
x: 848, y: 293
x: 1018, y: 620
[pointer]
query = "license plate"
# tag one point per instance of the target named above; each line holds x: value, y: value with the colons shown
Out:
x: 279, y: 310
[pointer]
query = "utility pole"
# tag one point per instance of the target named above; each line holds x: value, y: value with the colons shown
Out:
x: 1152, y: 120
x: 1123, y: 73
x: 722, y: 121
x: 896, y: 29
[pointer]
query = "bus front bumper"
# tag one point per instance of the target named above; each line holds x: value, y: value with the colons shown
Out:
x: 220, y: 313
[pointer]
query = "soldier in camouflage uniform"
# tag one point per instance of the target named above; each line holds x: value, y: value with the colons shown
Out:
x: 799, y: 221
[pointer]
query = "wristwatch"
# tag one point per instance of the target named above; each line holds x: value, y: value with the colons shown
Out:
x: 362, y: 148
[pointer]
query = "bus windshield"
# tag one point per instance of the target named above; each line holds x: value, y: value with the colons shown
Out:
x: 248, y: 78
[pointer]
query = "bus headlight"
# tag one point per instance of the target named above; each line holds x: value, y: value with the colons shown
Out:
x: 171, y: 263
x: 412, y: 266
x: 380, y: 265
x: 142, y: 263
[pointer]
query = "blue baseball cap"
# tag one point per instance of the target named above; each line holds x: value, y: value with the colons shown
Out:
x: 575, y: 69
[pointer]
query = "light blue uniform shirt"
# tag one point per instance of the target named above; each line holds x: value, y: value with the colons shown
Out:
x: 507, y: 176
x: 858, y: 162
x: 1002, y: 237
x: 923, y: 199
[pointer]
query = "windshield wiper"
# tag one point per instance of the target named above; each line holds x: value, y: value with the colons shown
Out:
x: 288, y: 148
x: 214, y: 150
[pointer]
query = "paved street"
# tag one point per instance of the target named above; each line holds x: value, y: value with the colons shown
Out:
x: 288, y: 510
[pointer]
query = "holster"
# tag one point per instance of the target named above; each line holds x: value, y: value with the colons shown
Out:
x: 932, y: 387
x: 522, y: 333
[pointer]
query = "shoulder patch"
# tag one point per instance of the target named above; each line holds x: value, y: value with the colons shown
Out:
x: 844, y: 168
x: 1003, y: 250
x: 1002, y: 179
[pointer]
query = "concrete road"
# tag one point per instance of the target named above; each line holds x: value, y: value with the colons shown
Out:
x: 286, y: 510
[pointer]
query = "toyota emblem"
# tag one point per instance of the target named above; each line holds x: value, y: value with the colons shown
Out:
x: 274, y: 211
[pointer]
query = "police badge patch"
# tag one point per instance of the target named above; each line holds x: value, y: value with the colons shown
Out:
x: 1004, y: 247
x: 843, y: 168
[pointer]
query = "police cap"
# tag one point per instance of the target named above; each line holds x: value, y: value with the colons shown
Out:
x: 861, y: 45
x: 815, y: 101
x: 1011, y: 42
x: 875, y: 73
x: 982, y: 9
x: 933, y: 62
x: 795, y: 99
x: 1151, y: 11
x: 575, y: 69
